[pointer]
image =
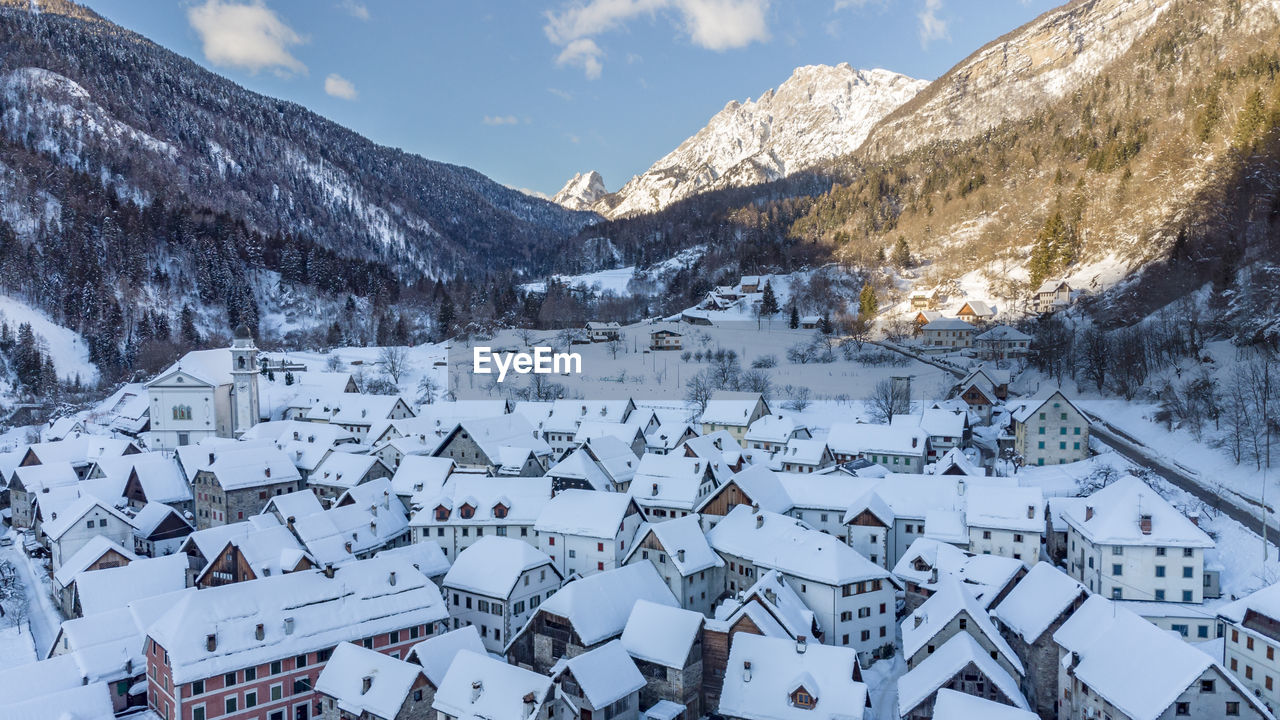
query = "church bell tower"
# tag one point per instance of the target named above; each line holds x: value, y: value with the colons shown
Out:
x: 244, y: 381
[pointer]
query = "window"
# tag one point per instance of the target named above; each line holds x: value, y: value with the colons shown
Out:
x: 1160, y: 595
x: 573, y: 553
x: 275, y: 667
x: 393, y: 636
x: 301, y: 685
x: 1116, y: 594
x: 197, y: 713
x: 368, y: 642
x: 1182, y: 708
x: 1159, y: 571
x: 1180, y: 629
x: 300, y: 661
x: 986, y: 534
x: 1248, y: 643
x: 1117, y: 569
x: 864, y: 612
x: 197, y: 687
x: 277, y: 691
x: 1233, y: 708
x: 1206, y: 686
x: 1202, y: 631
x: 229, y: 705
x: 251, y: 698
x: 1188, y: 552
x: 1186, y: 596
x: 229, y: 679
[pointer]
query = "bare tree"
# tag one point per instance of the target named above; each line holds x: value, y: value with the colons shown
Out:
x: 757, y: 381
x: 697, y: 392
x: 526, y: 335
x: 888, y: 399
x: 333, y: 362
x: 799, y: 397
x: 395, y: 361
x: 1095, y: 356
x: 614, y: 346
x: 428, y: 389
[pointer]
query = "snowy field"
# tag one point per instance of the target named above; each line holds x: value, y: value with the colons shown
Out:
x: 69, y: 351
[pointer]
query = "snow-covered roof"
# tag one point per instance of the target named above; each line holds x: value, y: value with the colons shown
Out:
x: 598, y: 605
x: 664, y: 710
x: 491, y: 434
x: 779, y: 542
x: 114, y: 588
x: 774, y: 429
x: 421, y: 474
x: 1114, y: 516
x: 805, y: 452
x: 210, y: 366
x: 492, y: 565
x: 661, y: 634
x: 579, y: 465
x: 1024, y: 409
x: 1003, y: 333
x: 148, y: 519
x: 938, y: 669
x: 979, y: 308
x: 731, y: 408
x: 568, y: 414
x: 953, y: 705
x: 425, y: 555
x: 762, y: 673
x: 436, y: 654
x: 270, y: 550
x: 88, y: 702
x: 586, y: 513
x: 502, y: 689
x: 346, y: 671
x: 983, y: 576
x: 870, y: 501
x: 933, y: 616
x: 677, y: 535
x: 339, y: 533
x: 938, y: 423
x: 54, y: 528
x: 672, y: 481
x: 957, y: 459
x: 102, y: 644
x: 344, y: 408
x: 344, y: 470
x: 946, y: 526
x: 300, y: 612
x: 1139, y: 668
x: 89, y: 553
x: 239, y: 467
x: 761, y: 485
x: 1038, y: 600
x: 299, y: 503
x: 605, y: 674
x: 35, y: 478
x: 208, y: 542
x: 159, y: 475
x: 948, y: 324
x: 784, y: 606
x: 627, y: 431
x: 857, y: 438
x: 1050, y: 286
x: 1020, y: 509
x: 62, y: 427
x: 524, y: 498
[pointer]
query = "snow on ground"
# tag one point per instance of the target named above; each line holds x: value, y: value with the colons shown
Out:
x: 69, y: 351
x: 617, y: 280
x: 16, y: 647
x: 43, y: 618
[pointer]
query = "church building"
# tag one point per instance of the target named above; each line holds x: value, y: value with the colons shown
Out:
x: 208, y: 393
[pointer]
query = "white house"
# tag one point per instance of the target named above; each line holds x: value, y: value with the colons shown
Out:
x: 1052, y: 295
x: 1128, y: 543
x: 771, y: 433
x: 208, y: 393
x: 948, y: 334
x: 679, y: 551
x: 585, y: 531
x: 898, y: 447
x: 602, y: 681
x: 671, y: 486
x: 1006, y: 521
x: 478, y: 686
x: 733, y: 411
x: 1049, y: 429
x: 495, y: 585
x: 71, y: 528
x: 474, y: 506
x: 852, y: 598
x: 1251, y: 638
x: 366, y: 684
x: 774, y: 679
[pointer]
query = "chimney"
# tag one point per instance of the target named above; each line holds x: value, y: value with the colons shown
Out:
x: 915, y: 441
x: 755, y: 507
x: 1194, y: 517
x: 960, y: 488
x: 801, y: 644
x: 267, y: 471
x: 288, y: 522
x: 297, y: 454
x: 1144, y: 523
x: 347, y: 545
x: 654, y: 491
x: 759, y: 521
x: 258, y: 632
x: 328, y: 571
x: 680, y: 555
x: 211, y: 642
x: 210, y: 458
x: 1088, y: 513
x: 1031, y: 512
x: 917, y: 619
x: 746, y: 671
x: 128, y: 666
x: 391, y: 579
x: 366, y: 683
x: 529, y: 703
x: 477, y: 688
x: 288, y: 626
x: 771, y: 596
x: 933, y: 575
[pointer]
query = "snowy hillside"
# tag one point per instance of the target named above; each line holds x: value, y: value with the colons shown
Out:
x: 819, y: 113
x: 69, y: 352
x: 581, y: 192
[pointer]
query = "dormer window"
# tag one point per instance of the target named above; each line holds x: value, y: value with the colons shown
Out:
x: 802, y: 699
x: 467, y: 511
x: 499, y: 511
x: 442, y: 513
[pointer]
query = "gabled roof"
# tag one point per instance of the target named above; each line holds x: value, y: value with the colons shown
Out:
x: 568, y: 414
x: 210, y: 541
x: 115, y: 588
x: 344, y: 408
x: 936, y: 613
x: 494, y: 433
x: 524, y: 498
x: 779, y: 542
x: 421, y: 474
x: 1023, y: 410
x: 152, y: 515
x: 676, y: 535
x: 605, y: 674
x: 492, y: 565
x: 732, y: 408
x: 855, y: 438
x: 425, y: 555
x: 1003, y: 333
x: 1049, y: 286
x: 982, y: 576
x: 55, y: 528
x: 777, y: 668
x: 435, y: 654
x: 586, y: 513
x: 948, y: 324
x: 1020, y: 509
x: 158, y: 474
x: 344, y: 470
x: 978, y: 308
x: 1116, y: 518
x: 272, y: 550
x: 1038, y: 600
x: 661, y: 634
x: 503, y: 689
x: 390, y: 681
x: 88, y: 554
x: 299, y: 503
x: 758, y: 483
x: 936, y: 670
x: 782, y: 604
x: 300, y: 612
x: 598, y: 605
x: 774, y: 429
x: 208, y: 366
x: 239, y: 467
x: 670, y: 481
x: 953, y: 705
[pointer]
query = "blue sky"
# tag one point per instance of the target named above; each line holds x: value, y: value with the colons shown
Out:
x: 531, y: 91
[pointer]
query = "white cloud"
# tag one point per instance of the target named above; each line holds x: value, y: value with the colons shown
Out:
x: 932, y: 27
x: 355, y: 9
x: 501, y: 120
x: 562, y: 94
x: 340, y: 87
x: 711, y: 24
x: 246, y: 35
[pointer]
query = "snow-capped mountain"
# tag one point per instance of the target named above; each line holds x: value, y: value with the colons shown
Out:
x: 581, y: 192
x: 1017, y: 74
x: 819, y: 113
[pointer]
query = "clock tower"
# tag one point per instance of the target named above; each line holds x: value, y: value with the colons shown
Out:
x: 244, y: 382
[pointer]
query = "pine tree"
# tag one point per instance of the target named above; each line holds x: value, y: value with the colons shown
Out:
x: 793, y: 322
x: 825, y: 324
x: 768, y: 301
x: 902, y: 253
x: 333, y: 338
x: 868, y: 306
x: 445, y: 317
x: 187, y: 322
